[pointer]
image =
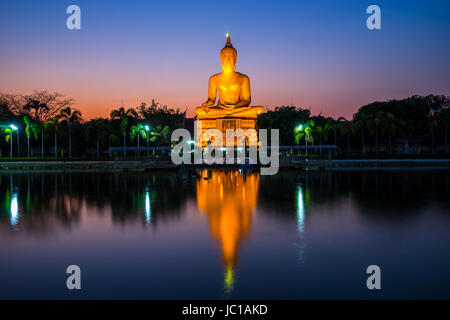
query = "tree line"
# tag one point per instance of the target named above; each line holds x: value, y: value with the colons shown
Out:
x: 415, y: 125
x: 47, y: 125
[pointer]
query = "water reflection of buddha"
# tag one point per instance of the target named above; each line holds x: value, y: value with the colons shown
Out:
x: 229, y: 199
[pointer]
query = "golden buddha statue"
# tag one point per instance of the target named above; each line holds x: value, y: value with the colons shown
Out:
x: 234, y: 91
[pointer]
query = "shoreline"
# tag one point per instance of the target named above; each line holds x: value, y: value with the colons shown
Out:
x: 140, y: 165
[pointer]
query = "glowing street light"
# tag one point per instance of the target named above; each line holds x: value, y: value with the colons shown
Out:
x: 16, y: 129
x: 297, y: 130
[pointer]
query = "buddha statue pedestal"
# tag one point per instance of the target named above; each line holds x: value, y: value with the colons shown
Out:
x: 233, y: 110
x: 224, y: 123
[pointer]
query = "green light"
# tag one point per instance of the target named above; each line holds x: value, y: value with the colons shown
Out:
x: 147, y: 128
x: 13, y: 127
x: 300, y: 127
x: 229, y: 279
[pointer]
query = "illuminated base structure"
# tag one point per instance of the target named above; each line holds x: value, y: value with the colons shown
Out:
x: 223, y: 124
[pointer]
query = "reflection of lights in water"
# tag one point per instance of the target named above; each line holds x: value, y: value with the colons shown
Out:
x: 148, y: 212
x: 300, y: 223
x: 229, y: 200
x: 300, y: 209
x: 14, y: 210
x: 229, y: 279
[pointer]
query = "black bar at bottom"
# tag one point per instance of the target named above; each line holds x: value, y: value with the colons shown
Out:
x: 218, y: 309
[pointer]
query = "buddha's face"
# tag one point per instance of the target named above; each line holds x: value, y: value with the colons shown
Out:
x: 228, y: 57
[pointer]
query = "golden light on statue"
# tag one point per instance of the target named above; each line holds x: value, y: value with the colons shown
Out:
x: 233, y: 110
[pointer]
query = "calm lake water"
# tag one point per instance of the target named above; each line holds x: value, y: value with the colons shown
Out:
x: 226, y: 234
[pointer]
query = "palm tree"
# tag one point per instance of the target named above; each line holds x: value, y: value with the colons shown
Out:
x: 9, y: 138
x: 98, y: 128
x: 121, y: 112
x: 373, y: 123
x: 123, y: 115
x: 53, y: 122
x: 123, y: 132
x: 359, y: 124
x: 305, y: 132
x: 41, y: 131
x: 391, y: 124
x: 320, y: 131
x: 443, y: 117
x: 112, y: 138
x: 31, y: 129
x: 70, y: 117
x: 433, y: 123
x: 309, y: 134
x: 160, y: 134
x: 330, y: 125
x: 138, y: 130
x: 36, y: 108
x: 378, y: 119
x: 345, y: 127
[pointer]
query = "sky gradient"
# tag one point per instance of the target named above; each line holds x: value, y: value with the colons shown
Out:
x: 316, y: 54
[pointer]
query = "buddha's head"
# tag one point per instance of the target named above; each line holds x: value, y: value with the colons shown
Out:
x: 228, y: 56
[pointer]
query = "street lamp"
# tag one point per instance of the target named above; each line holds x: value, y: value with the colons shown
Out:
x: 298, y: 129
x: 147, y: 129
x: 16, y: 129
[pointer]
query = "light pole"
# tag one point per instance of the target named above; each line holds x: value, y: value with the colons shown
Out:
x: 11, y: 143
x: 147, y: 129
x: 298, y: 130
x: 306, y: 143
x: 14, y: 128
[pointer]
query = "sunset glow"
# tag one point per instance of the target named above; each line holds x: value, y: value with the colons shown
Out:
x: 312, y: 55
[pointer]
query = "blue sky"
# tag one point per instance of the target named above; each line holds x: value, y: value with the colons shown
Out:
x: 317, y: 54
